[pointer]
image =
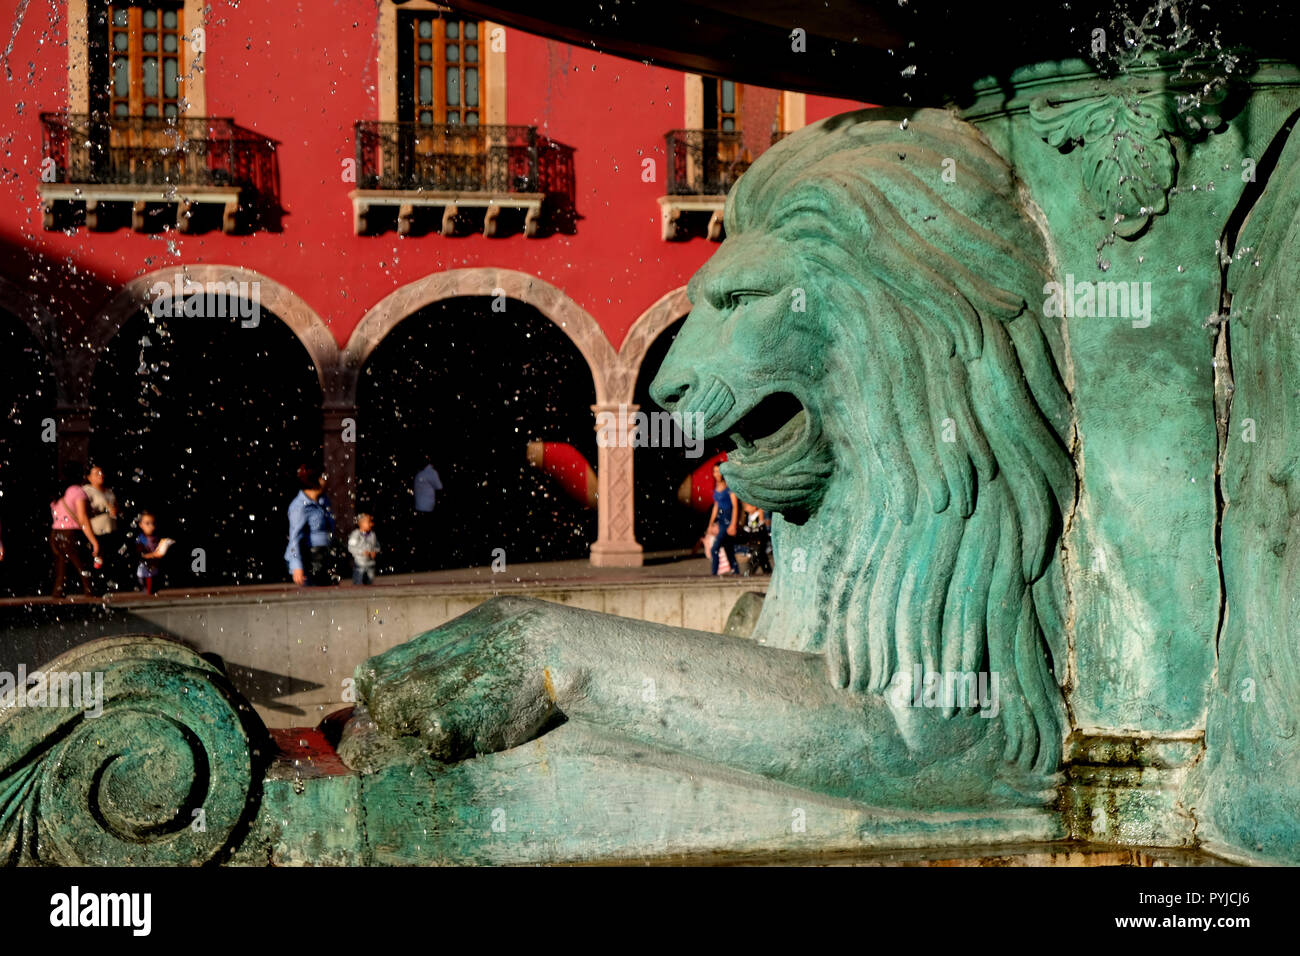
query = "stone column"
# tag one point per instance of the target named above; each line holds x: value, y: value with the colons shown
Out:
x: 340, y: 452
x: 616, y: 544
x: 72, y: 432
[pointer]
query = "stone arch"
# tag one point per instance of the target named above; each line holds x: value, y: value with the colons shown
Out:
x: 258, y: 376
x: 286, y: 305
x: 648, y: 327
x: 575, y: 321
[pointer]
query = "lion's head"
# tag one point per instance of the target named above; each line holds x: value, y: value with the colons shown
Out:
x: 871, y: 339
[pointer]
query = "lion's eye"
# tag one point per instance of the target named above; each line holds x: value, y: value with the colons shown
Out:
x: 740, y: 297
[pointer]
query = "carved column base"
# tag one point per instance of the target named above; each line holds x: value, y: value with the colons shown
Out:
x: 612, y: 554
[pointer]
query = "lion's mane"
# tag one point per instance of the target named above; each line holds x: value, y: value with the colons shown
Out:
x: 937, y: 541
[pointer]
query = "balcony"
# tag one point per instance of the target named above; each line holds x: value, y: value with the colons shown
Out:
x: 703, y: 165
x: 414, y: 176
x: 183, y: 173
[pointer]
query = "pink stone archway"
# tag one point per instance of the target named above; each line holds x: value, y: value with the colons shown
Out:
x: 615, y: 542
x: 649, y: 326
x: 576, y: 322
x: 82, y: 355
x: 615, y: 474
x: 280, y: 301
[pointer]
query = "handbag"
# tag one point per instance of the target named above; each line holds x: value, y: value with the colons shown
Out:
x: 106, y: 521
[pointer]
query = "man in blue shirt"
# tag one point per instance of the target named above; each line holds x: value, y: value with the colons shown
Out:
x: 427, y: 484
x: 311, y: 526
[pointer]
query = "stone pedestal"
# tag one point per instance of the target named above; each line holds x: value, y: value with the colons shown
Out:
x: 616, y: 544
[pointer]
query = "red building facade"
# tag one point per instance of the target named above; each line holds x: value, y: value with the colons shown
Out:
x: 345, y: 167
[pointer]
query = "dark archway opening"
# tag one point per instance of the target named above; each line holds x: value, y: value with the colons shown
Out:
x: 28, y: 456
x: 471, y: 387
x: 663, y: 522
x: 204, y: 422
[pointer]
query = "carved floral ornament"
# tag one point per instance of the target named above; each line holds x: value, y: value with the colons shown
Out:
x: 1127, y: 153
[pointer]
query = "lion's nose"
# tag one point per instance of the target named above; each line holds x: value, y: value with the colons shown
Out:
x: 671, y: 386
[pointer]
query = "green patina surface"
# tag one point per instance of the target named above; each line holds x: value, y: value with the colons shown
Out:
x: 1144, y: 576
x: 1251, y: 775
x: 988, y: 470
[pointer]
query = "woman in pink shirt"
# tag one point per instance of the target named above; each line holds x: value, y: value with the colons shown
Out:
x: 70, y: 514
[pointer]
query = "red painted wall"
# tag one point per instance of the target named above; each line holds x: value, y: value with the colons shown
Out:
x: 302, y: 73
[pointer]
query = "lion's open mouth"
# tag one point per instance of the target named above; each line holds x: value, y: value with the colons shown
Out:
x: 768, y: 427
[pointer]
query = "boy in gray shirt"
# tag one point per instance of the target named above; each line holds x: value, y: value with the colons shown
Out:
x: 364, y: 547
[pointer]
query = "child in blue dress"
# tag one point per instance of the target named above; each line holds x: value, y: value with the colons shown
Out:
x: 151, y: 551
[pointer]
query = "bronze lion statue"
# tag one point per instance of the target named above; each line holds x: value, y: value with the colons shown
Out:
x: 870, y: 337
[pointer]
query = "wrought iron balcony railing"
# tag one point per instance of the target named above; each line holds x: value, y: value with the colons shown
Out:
x: 147, y: 151
x: 704, y: 162
x: 462, y: 159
